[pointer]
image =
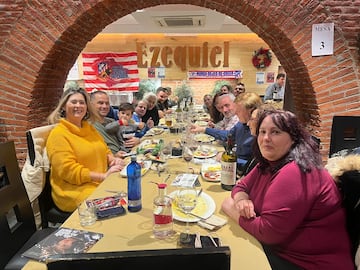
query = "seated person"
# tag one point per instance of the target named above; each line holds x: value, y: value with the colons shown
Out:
x: 208, y: 99
x: 113, y: 113
x: 225, y: 105
x: 78, y: 155
x: 139, y: 112
x: 245, y: 103
x: 101, y: 104
x: 125, y: 128
x: 215, y: 115
x: 152, y: 111
x: 162, y: 104
x: 289, y: 202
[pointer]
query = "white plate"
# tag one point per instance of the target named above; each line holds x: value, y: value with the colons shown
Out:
x: 211, y: 172
x: 204, y: 208
x: 205, y: 151
x: 144, y: 169
x: 204, y: 138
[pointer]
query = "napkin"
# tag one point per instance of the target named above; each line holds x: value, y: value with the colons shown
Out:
x: 212, y: 223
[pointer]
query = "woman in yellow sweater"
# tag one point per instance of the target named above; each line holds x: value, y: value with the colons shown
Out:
x: 79, y: 157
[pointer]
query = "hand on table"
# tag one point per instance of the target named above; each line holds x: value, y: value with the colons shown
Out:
x: 246, y: 208
x: 114, y: 168
x: 131, y: 142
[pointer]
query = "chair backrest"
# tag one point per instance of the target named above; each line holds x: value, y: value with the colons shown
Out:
x: 209, y: 258
x: 17, y: 222
x: 345, y: 133
x: 36, y: 142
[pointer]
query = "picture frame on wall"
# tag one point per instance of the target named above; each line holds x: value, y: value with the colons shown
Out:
x: 260, y: 77
x: 270, y: 77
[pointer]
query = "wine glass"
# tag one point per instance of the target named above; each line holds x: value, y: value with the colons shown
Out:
x: 186, y: 201
x: 187, y: 155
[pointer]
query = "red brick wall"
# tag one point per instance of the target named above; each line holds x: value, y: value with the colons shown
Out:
x: 40, y: 41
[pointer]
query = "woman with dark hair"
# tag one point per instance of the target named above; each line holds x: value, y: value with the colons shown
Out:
x: 289, y: 202
x: 215, y: 115
x: 78, y: 155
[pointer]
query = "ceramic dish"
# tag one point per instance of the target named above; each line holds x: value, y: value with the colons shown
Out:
x: 204, y: 138
x: 211, y: 172
x: 204, y: 151
x: 145, y: 166
x: 205, y: 207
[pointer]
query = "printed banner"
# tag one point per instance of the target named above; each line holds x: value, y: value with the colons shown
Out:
x: 227, y: 74
x: 110, y: 71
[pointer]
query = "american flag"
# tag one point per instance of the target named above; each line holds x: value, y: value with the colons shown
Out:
x: 111, y: 71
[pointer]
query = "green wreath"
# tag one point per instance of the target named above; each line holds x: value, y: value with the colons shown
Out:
x: 262, y: 58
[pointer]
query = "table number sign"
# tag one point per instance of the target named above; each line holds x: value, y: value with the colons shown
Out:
x: 322, y: 39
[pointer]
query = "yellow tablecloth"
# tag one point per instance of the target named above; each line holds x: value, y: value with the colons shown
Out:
x: 133, y: 231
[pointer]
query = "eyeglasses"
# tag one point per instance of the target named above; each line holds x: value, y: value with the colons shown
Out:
x: 239, y: 88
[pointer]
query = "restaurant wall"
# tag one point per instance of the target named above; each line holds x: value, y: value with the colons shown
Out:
x: 239, y: 55
x: 41, y: 40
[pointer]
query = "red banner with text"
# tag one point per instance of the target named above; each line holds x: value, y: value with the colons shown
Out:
x: 109, y: 71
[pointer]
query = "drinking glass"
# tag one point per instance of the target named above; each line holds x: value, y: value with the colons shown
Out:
x: 187, y: 155
x: 168, y: 120
x: 166, y: 151
x: 186, y: 201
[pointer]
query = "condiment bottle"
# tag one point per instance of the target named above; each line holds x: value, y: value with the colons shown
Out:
x: 163, y: 219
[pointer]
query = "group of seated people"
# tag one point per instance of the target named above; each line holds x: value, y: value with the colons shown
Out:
x: 285, y: 198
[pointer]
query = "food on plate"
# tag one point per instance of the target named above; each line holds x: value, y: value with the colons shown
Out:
x: 150, y: 146
x: 204, y: 138
x: 145, y: 166
x: 212, y: 175
x: 211, y: 172
x: 157, y: 131
x: 204, y: 152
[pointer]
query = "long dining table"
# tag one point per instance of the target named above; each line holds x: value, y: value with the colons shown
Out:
x: 133, y: 231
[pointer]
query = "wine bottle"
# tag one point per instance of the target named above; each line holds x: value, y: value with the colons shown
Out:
x: 178, y: 113
x: 228, y: 164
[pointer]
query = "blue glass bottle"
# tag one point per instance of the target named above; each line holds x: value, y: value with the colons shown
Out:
x: 134, y: 185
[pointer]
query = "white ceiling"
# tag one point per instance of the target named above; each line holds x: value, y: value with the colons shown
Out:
x: 144, y: 21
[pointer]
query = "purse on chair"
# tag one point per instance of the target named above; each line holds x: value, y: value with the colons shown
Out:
x: 36, y: 142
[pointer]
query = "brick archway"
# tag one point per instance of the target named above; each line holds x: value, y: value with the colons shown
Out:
x: 40, y: 41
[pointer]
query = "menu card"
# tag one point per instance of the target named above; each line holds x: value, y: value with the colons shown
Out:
x: 63, y: 241
x: 186, y: 180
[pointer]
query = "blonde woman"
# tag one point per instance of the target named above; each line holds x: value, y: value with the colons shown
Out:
x: 79, y: 157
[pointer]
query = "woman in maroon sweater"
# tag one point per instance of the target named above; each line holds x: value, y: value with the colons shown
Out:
x: 289, y: 202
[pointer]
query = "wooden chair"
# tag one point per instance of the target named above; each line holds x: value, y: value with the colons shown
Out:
x: 36, y: 138
x: 209, y: 258
x: 17, y: 223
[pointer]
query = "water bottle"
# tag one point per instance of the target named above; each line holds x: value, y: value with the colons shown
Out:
x: 133, y: 171
x: 163, y: 220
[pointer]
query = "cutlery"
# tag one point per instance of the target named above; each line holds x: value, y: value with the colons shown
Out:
x: 212, y: 240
